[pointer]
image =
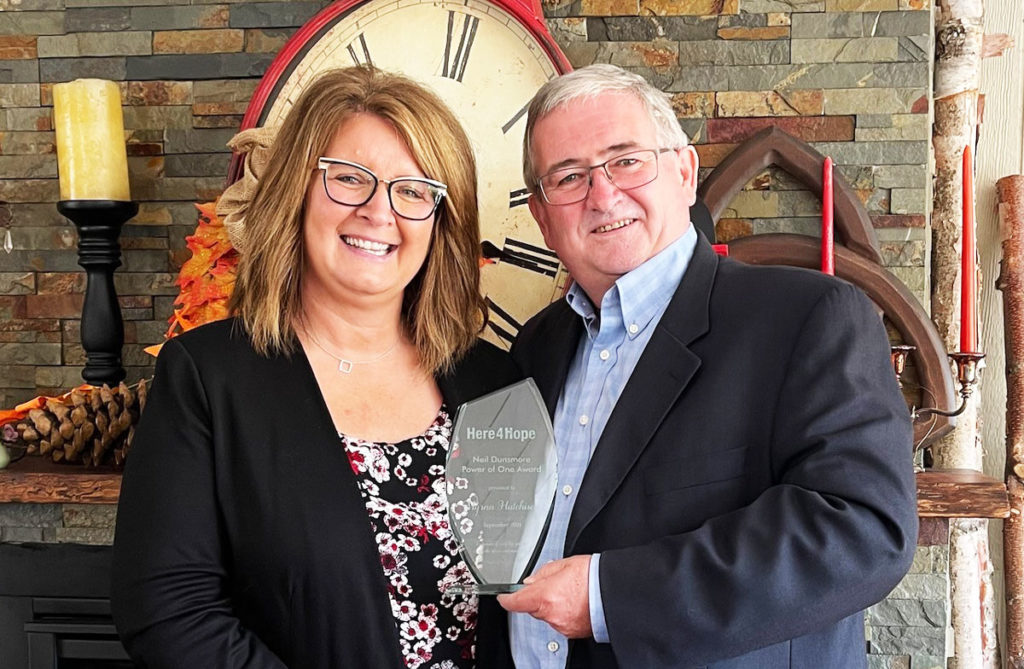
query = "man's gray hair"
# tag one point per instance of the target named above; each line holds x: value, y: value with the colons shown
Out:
x: 589, y: 82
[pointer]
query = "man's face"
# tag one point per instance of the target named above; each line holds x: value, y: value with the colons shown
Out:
x: 611, y: 231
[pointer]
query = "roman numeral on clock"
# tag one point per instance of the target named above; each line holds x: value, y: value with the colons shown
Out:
x: 358, y: 52
x: 517, y: 198
x: 455, y: 59
x: 525, y: 255
x: 501, y: 323
x: 512, y: 121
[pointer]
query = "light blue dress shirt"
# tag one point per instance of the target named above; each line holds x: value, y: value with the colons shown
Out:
x: 615, y: 339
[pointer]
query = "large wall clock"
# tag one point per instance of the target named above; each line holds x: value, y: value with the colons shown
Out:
x: 485, y: 59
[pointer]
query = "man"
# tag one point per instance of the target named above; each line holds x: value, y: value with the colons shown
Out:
x: 735, y: 476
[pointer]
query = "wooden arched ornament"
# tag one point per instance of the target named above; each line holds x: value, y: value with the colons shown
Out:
x: 773, y: 146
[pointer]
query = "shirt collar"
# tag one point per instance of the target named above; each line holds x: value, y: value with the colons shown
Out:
x: 581, y: 304
x: 640, y: 294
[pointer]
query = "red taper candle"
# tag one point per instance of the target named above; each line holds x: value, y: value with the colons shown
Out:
x: 968, y: 251
x: 828, y: 260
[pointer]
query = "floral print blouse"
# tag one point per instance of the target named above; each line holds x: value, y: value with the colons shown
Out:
x: 403, y: 487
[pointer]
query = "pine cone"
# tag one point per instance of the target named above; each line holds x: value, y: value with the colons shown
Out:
x: 93, y: 427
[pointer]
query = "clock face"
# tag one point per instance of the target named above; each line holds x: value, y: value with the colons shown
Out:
x: 486, y: 66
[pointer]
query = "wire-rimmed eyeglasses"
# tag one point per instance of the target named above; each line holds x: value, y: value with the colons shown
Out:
x: 570, y: 185
x: 353, y: 185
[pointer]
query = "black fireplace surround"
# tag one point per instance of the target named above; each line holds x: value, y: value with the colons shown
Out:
x: 55, y: 608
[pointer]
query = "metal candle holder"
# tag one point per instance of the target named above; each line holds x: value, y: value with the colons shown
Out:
x: 898, y: 356
x: 99, y: 253
x: 967, y: 370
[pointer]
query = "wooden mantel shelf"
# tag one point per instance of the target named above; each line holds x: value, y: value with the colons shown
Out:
x: 35, y: 479
x: 951, y: 493
x: 960, y: 493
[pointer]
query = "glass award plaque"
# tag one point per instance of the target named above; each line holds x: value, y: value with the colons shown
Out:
x: 501, y: 479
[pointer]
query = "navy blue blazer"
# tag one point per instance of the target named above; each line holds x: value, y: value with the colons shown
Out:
x: 753, y: 490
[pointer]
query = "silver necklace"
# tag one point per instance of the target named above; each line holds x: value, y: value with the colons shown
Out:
x: 344, y: 364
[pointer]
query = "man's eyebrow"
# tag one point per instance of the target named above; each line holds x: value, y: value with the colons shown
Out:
x: 573, y: 162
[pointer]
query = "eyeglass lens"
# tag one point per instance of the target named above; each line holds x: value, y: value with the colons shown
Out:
x: 353, y: 186
x: 630, y: 170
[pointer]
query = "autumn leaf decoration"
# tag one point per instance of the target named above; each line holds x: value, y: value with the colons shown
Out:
x: 206, y: 279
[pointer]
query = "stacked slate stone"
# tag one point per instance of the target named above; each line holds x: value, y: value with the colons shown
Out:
x: 93, y: 427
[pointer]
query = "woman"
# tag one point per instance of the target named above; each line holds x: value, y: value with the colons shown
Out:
x: 283, y: 504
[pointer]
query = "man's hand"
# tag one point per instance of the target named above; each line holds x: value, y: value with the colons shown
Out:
x: 557, y: 593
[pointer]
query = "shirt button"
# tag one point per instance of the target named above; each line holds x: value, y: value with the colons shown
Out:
x: 634, y: 328
x: 567, y: 490
x: 605, y: 354
x: 584, y: 420
x: 553, y: 646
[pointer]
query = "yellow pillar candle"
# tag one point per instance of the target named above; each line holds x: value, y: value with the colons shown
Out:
x: 91, y: 156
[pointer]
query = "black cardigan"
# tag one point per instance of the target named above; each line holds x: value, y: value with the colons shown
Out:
x: 242, y: 538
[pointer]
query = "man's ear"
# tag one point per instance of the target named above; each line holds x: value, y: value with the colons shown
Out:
x: 688, y: 164
x: 540, y: 214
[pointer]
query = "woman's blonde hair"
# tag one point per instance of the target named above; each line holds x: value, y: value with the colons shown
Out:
x: 442, y: 310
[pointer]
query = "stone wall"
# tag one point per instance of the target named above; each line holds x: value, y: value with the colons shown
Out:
x: 909, y: 629
x: 91, y: 524
x: 849, y: 76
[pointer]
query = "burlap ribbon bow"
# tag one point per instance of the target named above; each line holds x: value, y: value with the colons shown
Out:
x: 254, y: 144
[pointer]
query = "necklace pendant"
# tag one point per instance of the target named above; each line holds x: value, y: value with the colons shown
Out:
x: 344, y: 366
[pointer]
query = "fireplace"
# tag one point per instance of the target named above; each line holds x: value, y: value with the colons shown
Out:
x: 55, y: 608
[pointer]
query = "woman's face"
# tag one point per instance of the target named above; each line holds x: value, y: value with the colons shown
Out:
x: 364, y: 254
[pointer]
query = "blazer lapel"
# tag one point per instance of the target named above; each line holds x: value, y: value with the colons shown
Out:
x: 660, y: 377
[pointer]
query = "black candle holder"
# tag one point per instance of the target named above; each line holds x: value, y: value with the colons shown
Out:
x: 99, y: 253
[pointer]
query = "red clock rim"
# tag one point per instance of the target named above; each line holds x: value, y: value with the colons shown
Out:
x: 527, y: 12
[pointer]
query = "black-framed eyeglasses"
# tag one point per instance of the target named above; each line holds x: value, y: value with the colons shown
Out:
x: 570, y: 185
x: 351, y: 184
